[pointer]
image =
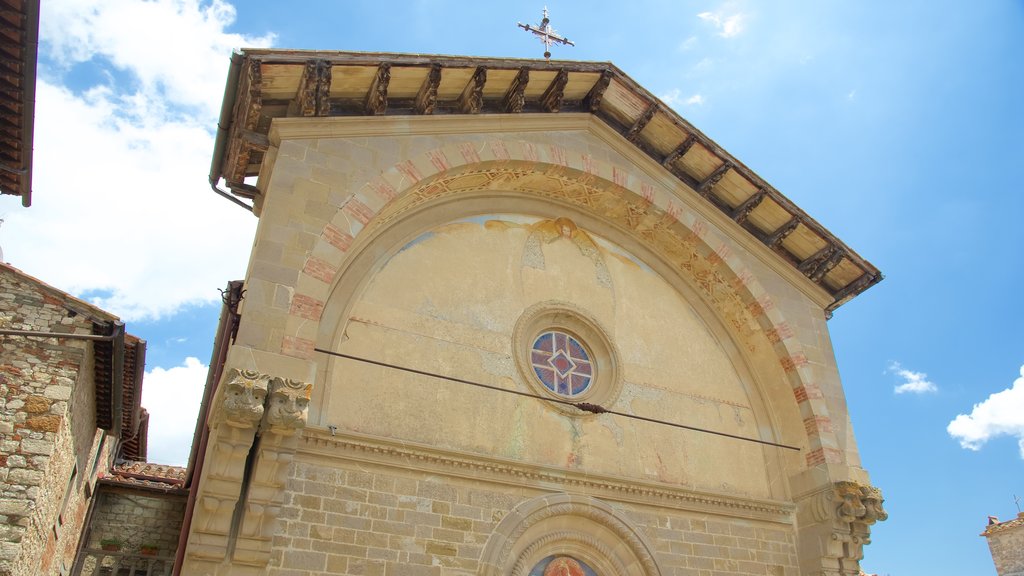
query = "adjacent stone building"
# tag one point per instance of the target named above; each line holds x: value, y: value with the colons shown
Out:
x: 1006, y: 542
x: 515, y: 317
x: 70, y: 391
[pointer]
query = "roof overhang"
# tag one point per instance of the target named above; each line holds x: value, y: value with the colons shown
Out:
x: 19, y: 46
x: 268, y: 84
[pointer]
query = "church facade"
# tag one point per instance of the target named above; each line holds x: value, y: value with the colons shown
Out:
x: 515, y: 317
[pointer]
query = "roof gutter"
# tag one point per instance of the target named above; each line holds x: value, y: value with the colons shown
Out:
x: 223, y: 127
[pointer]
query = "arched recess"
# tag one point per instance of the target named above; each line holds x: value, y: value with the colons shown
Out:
x: 579, y: 526
x: 632, y: 204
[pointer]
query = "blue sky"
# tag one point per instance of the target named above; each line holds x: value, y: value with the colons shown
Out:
x: 897, y: 125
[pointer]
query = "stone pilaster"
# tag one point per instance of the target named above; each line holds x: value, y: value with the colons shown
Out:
x: 283, y: 420
x: 835, y: 525
x: 237, y: 411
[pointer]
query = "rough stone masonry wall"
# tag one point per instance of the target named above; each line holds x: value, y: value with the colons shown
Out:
x: 375, y: 521
x: 42, y: 381
x: 1007, y: 547
x: 136, y: 519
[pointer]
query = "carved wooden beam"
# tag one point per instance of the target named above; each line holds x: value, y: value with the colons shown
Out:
x: 377, y: 98
x: 551, y: 101
x: 860, y: 284
x: 827, y: 265
x: 633, y: 134
x: 776, y: 238
x: 255, y: 140
x: 472, y: 98
x: 426, y: 99
x: 246, y: 118
x: 809, y: 264
x: 680, y: 150
x: 312, y: 98
x: 593, y: 100
x: 515, y: 98
x: 709, y: 183
x: 742, y: 212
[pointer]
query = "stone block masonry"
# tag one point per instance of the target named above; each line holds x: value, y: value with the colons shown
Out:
x: 351, y: 518
x: 47, y: 461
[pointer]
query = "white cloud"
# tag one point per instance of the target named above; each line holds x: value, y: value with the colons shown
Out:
x: 728, y: 20
x: 175, y: 48
x: 915, y: 382
x: 688, y: 44
x: 675, y: 98
x: 1001, y: 414
x: 172, y: 398
x: 122, y: 212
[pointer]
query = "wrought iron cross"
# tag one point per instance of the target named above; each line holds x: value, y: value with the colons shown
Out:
x: 546, y: 34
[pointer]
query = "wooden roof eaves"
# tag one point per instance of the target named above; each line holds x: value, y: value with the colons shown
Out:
x: 690, y: 135
x: 26, y: 93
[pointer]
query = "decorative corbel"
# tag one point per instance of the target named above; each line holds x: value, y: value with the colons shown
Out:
x: 426, y: 99
x: 836, y: 527
x: 551, y: 100
x: 472, y: 99
x: 287, y: 407
x: 312, y: 98
x: 377, y: 97
x: 592, y: 103
x: 241, y: 397
x: 515, y: 98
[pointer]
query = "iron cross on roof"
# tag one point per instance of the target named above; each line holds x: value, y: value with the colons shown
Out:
x: 546, y: 34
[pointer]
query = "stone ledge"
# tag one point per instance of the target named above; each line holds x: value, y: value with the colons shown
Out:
x: 414, y: 456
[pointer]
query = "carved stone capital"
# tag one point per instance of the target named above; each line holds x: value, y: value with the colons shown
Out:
x: 240, y: 399
x: 287, y: 407
x: 837, y: 527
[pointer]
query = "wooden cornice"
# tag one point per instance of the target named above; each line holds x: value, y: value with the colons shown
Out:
x: 597, y: 88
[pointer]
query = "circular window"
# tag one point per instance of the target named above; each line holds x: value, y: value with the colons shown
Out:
x: 563, y: 353
x: 562, y: 363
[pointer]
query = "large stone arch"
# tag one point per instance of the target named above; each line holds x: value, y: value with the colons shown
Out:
x: 632, y: 201
x: 561, y: 523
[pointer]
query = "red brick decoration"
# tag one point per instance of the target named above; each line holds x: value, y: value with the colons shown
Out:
x: 409, y: 169
x: 306, y: 307
x: 499, y: 150
x: 439, y: 160
x: 824, y: 456
x: 383, y: 189
x: 793, y: 362
x: 468, y: 152
x: 620, y: 177
x: 816, y: 425
x: 558, y: 155
x: 358, y: 210
x: 337, y: 238
x: 320, y: 270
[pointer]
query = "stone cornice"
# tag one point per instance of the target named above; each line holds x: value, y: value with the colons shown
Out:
x: 319, y: 442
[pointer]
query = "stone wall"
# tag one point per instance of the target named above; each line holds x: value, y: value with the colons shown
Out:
x: 349, y: 518
x: 1006, y: 542
x: 46, y: 460
x: 137, y: 519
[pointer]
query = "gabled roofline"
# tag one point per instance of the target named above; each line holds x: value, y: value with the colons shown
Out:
x: 264, y: 84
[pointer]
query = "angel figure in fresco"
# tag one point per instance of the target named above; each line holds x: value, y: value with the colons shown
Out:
x: 549, y: 231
